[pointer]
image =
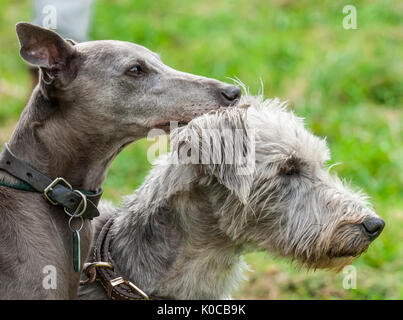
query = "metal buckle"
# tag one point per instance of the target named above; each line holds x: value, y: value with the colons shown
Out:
x: 52, y: 185
x: 118, y: 281
x: 90, y: 270
x: 82, y: 204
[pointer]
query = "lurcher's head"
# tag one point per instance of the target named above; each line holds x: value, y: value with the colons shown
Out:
x: 269, y: 187
x: 117, y: 88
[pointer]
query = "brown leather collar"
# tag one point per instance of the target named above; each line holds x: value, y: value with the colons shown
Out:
x: 104, y: 271
x: 57, y: 191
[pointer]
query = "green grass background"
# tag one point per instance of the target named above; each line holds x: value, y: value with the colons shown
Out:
x: 346, y: 83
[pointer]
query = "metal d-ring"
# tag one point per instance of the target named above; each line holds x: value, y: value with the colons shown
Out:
x: 82, y: 204
x: 81, y: 226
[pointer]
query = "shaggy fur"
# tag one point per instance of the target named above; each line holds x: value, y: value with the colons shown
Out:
x: 183, y: 232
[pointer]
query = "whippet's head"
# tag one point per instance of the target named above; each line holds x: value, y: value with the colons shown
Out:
x: 118, y: 85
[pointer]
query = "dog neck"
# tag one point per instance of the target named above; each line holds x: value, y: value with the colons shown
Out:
x: 173, y: 247
x: 60, y: 141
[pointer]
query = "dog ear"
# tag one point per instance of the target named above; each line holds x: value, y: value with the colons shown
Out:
x: 71, y: 41
x: 222, y: 146
x: 46, y: 49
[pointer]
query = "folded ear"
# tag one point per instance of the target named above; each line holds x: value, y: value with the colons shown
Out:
x: 71, y: 41
x: 46, y: 49
x: 221, y: 145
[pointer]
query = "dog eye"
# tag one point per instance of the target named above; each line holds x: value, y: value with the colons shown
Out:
x: 135, y: 70
x: 291, y: 167
x: 289, y: 171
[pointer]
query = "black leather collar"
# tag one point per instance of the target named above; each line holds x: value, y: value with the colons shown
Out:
x: 57, y: 191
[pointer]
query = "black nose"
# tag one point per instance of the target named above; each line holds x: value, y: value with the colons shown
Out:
x: 373, y: 226
x: 231, y: 94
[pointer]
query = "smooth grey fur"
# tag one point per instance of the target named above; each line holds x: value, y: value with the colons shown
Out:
x: 85, y: 110
x: 183, y: 232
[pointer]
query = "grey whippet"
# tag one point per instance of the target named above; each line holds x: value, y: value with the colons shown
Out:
x: 93, y: 99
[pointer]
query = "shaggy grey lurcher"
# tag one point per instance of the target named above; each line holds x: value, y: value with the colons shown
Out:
x: 183, y: 232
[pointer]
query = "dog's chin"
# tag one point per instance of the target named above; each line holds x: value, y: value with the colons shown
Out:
x: 348, y: 251
x: 336, y: 261
x: 331, y: 260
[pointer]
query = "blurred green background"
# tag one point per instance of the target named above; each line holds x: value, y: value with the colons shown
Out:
x: 346, y: 83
